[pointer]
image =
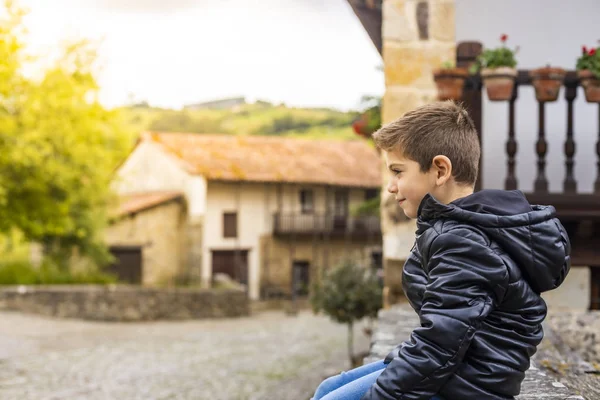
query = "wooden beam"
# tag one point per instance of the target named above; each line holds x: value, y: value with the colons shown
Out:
x: 569, y: 206
x: 370, y: 16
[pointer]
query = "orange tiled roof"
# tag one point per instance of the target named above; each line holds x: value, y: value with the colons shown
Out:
x: 274, y: 159
x: 136, y: 202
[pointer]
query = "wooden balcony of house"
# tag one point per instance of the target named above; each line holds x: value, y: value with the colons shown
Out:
x: 578, y: 211
x: 299, y: 225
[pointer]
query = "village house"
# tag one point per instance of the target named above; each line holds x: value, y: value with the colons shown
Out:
x: 272, y: 213
x: 550, y: 151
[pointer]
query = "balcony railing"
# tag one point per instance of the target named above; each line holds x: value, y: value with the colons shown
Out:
x: 326, y: 225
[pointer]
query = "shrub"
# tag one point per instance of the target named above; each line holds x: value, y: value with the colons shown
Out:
x: 348, y: 293
x: 23, y: 273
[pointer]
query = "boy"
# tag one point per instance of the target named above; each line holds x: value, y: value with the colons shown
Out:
x: 474, y: 276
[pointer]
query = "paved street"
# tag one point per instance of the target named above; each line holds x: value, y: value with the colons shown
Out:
x: 266, y: 356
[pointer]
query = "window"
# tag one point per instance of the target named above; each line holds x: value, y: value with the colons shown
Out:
x: 371, y: 194
x: 230, y: 225
x: 341, y: 203
x: 306, y: 201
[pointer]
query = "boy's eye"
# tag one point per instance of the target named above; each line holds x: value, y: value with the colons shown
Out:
x: 396, y: 172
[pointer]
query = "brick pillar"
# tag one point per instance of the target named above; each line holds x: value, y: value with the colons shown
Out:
x: 418, y: 36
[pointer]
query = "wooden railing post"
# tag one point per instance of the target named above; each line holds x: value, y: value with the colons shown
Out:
x: 541, y: 147
x: 511, y: 144
x: 466, y: 54
x: 569, y: 184
x: 597, y: 183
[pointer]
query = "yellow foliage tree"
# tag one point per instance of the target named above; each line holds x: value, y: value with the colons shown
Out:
x: 58, y: 146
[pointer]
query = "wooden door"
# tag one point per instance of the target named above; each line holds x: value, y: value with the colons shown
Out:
x: 232, y: 263
x: 301, y: 278
x: 127, y: 265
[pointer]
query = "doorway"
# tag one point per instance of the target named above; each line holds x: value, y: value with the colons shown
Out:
x: 301, y: 278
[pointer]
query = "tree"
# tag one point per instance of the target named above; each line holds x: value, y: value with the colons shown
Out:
x: 58, y: 146
x: 348, y: 293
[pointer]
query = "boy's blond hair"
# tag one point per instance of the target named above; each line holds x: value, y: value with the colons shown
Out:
x: 441, y: 128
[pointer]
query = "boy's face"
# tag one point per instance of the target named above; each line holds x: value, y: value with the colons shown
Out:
x: 407, y: 183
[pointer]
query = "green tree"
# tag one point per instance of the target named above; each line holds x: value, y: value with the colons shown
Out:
x: 347, y: 294
x: 58, y: 146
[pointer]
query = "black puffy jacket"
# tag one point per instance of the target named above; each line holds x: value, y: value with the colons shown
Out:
x: 474, y: 277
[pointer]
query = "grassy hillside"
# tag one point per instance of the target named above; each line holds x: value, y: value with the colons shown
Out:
x: 250, y: 119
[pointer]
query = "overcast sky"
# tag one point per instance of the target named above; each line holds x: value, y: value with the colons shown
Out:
x: 175, y: 52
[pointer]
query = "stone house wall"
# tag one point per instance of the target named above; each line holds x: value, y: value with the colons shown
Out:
x: 418, y: 36
x: 278, y: 254
x: 164, y: 235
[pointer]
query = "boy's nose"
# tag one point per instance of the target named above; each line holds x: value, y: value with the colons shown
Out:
x: 391, y: 187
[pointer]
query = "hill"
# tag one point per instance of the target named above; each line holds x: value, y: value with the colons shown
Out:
x: 260, y: 118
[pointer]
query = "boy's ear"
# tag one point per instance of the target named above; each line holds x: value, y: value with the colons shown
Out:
x: 443, y: 169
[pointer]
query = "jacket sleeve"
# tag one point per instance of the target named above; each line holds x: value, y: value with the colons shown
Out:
x: 466, y: 280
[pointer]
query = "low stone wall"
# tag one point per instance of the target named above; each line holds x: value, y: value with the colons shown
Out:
x: 580, y: 331
x: 125, y: 303
x: 396, y: 324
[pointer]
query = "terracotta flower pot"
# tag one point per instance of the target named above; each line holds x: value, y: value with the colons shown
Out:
x: 450, y: 82
x: 547, y: 82
x: 591, y: 85
x: 499, y: 82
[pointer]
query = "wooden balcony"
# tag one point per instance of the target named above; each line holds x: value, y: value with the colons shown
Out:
x: 579, y: 212
x: 326, y: 225
x: 570, y: 203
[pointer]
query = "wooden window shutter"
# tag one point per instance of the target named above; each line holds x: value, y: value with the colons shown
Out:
x: 230, y: 225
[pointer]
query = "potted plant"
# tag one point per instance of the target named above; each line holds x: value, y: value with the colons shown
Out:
x: 369, y: 120
x: 450, y: 81
x: 547, y: 82
x: 498, y: 72
x: 588, y: 72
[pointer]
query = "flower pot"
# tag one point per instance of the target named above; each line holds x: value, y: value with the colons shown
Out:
x: 450, y: 82
x: 591, y: 85
x: 499, y: 82
x: 547, y: 82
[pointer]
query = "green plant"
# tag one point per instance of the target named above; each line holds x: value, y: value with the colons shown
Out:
x: 368, y: 208
x: 589, y: 60
x: 448, y: 65
x: 493, y: 58
x: 348, y: 293
x: 23, y: 273
x: 370, y: 120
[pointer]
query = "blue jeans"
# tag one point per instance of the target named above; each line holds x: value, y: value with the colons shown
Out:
x: 351, y: 385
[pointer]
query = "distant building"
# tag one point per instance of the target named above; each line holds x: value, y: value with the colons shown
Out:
x: 272, y: 213
x: 221, y: 104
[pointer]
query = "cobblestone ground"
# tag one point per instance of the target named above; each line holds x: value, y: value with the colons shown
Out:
x: 266, y: 356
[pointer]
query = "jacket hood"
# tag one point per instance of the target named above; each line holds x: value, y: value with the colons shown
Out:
x: 531, y: 235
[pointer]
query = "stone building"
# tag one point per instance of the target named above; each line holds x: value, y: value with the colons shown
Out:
x: 417, y: 36
x: 149, y: 231
x: 270, y: 212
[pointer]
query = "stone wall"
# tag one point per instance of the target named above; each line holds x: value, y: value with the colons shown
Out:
x: 580, y: 331
x: 418, y: 36
x: 277, y: 255
x: 396, y: 324
x: 573, y: 294
x: 124, y: 303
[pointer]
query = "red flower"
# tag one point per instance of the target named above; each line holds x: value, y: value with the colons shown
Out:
x: 503, y: 38
x: 592, y: 52
x: 584, y: 49
x: 359, y: 125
